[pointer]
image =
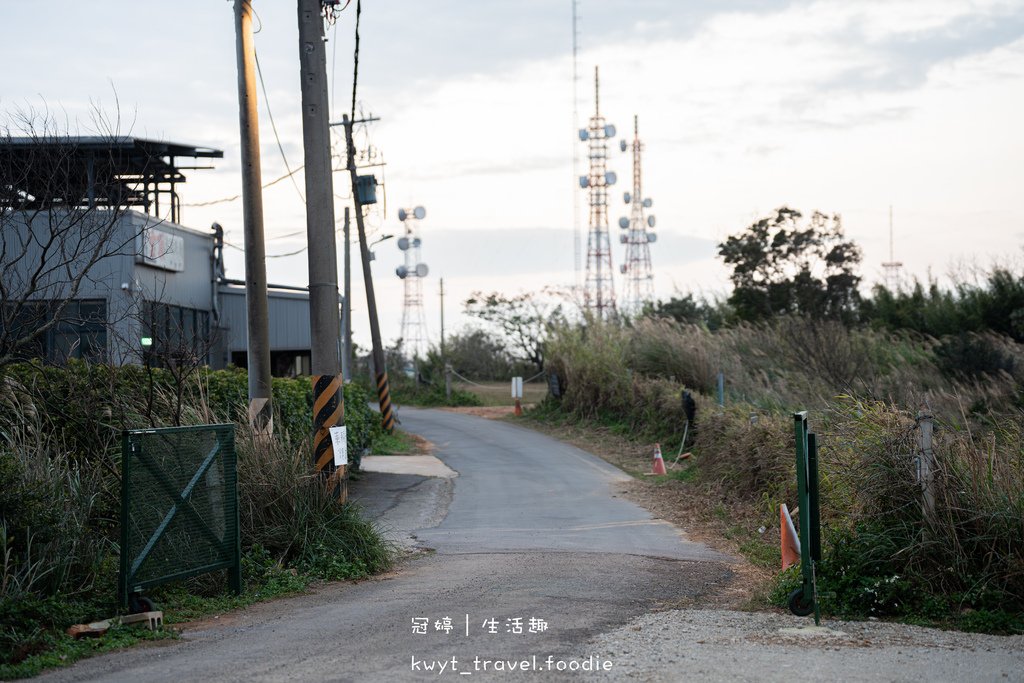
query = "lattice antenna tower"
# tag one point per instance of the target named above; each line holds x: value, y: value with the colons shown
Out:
x: 637, y: 234
x: 412, y: 272
x: 576, y: 239
x: 599, y: 289
x: 892, y: 266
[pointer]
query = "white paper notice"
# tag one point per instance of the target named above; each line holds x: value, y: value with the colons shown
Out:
x: 339, y: 438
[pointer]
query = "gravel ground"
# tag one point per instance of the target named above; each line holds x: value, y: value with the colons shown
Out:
x: 721, y: 645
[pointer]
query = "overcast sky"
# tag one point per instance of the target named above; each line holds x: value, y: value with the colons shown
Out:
x: 744, y: 106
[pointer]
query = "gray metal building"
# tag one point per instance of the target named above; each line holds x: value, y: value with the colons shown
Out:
x: 158, y: 294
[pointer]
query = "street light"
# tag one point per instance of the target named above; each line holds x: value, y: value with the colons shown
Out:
x: 373, y: 256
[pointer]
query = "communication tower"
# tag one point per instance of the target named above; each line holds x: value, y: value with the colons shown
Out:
x: 576, y: 241
x: 892, y: 266
x: 599, y: 289
x: 412, y: 272
x: 637, y: 235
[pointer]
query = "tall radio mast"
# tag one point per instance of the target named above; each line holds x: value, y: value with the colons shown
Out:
x: 576, y: 247
x: 412, y: 272
x: 599, y: 291
x: 639, y: 287
x: 892, y: 266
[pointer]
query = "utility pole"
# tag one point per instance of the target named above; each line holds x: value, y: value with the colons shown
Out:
x: 346, y: 355
x: 444, y: 355
x: 328, y: 398
x: 379, y: 367
x: 261, y: 414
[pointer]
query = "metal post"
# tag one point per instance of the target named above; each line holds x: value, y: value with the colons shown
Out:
x: 721, y: 388
x: 260, y: 408
x: 383, y: 390
x: 926, y: 467
x: 346, y: 355
x: 328, y: 399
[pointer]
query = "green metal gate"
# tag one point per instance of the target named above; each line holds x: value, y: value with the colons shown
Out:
x: 179, y: 506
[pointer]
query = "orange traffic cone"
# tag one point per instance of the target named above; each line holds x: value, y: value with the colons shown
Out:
x: 658, y: 467
x: 790, y: 539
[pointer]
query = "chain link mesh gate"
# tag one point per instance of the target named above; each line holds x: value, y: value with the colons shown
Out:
x: 179, y: 506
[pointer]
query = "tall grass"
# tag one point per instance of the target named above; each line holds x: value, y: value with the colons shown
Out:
x: 863, y: 388
x: 289, y: 511
x: 49, y: 542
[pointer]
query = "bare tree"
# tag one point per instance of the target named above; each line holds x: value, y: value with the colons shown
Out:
x: 62, y: 200
x: 522, y: 321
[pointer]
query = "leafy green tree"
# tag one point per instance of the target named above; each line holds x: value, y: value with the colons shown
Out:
x: 472, y: 353
x: 997, y: 305
x: 521, y: 321
x: 781, y: 266
x: 687, y: 309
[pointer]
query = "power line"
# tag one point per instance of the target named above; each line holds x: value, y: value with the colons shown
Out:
x: 232, y: 198
x: 273, y: 126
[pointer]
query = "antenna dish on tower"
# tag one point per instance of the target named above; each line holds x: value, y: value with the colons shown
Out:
x: 650, y: 221
x: 403, y: 243
x: 610, y: 178
x: 652, y: 237
x: 609, y: 130
x: 584, y: 135
x: 623, y: 222
x: 623, y: 239
x: 584, y: 182
x: 402, y: 215
x: 622, y: 144
x: 419, y: 213
x: 402, y: 272
x: 422, y: 270
x: 648, y: 203
x: 626, y: 197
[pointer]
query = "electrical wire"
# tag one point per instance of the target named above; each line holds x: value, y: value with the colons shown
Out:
x: 290, y: 253
x: 232, y: 198
x: 273, y: 126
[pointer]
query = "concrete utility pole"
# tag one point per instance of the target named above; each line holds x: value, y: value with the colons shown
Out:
x: 261, y: 415
x: 346, y: 354
x: 379, y: 367
x: 443, y: 357
x: 328, y: 398
x: 444, y: 354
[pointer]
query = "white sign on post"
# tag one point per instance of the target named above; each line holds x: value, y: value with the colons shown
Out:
x: 517, y: 387
x: 339, y: 439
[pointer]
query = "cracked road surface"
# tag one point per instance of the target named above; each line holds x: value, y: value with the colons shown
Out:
x: 529, y: 528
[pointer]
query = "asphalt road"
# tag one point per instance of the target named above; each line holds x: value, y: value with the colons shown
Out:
x: 530, y: 529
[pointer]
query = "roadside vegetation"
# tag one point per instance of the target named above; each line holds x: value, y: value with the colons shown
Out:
x: 797, y: 334
x: 59, y: 497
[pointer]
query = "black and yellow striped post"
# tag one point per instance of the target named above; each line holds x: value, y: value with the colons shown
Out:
x: 328, y: 411
x: 387, y: 416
